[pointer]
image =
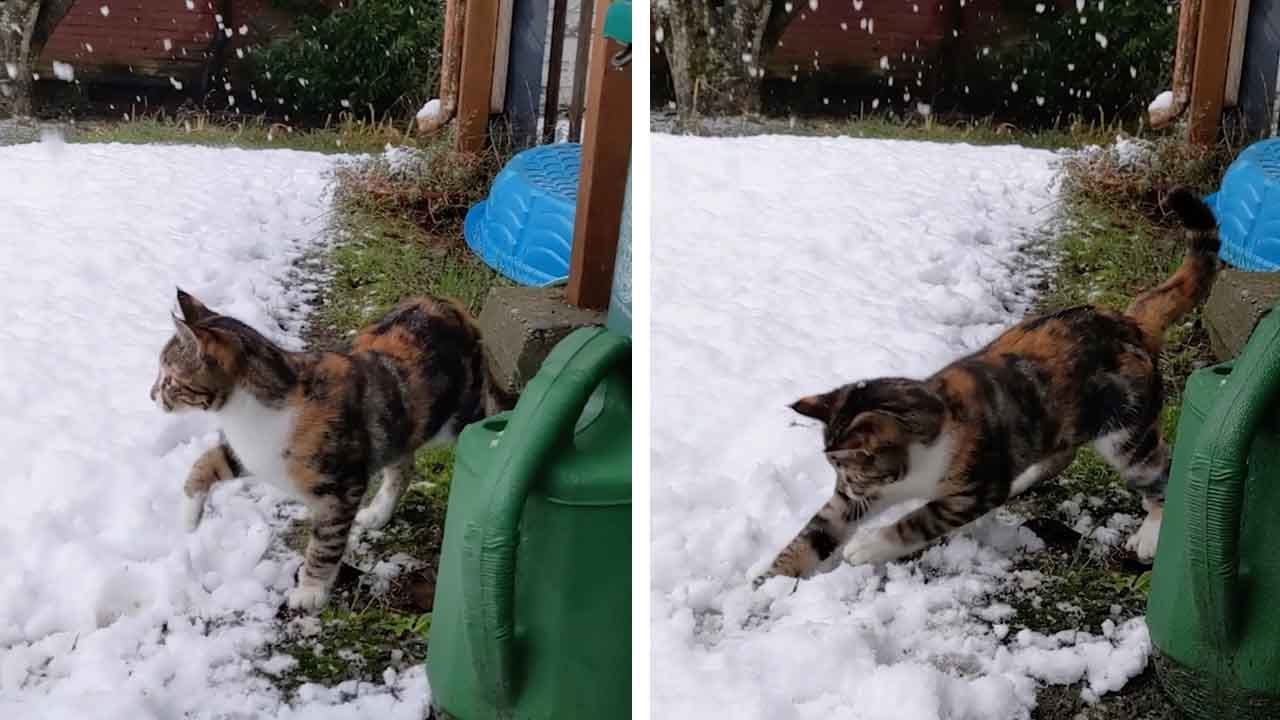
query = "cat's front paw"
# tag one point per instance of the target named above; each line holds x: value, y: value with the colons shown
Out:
x: 875, y: 551
x: 192, y: 510
x: 307, y: 597
x: 375, y: 516
x: 1143, y: 542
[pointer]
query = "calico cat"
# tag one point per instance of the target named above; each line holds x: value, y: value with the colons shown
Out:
x: 321, y: 424
x: 988, y: 426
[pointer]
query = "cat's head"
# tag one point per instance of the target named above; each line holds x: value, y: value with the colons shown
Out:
x: 197, y: 365
x: 869, y: 427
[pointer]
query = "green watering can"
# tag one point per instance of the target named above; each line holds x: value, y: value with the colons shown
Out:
x: 1214, y: 608
x: 532, y: 616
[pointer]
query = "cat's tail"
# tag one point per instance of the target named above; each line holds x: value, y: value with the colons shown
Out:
x: 1158, y: 308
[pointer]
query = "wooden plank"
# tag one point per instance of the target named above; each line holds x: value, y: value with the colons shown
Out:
x: 555, y: 56
x: 606, y: 156
x: 1235, y: 63
x: 501, y: 56
x: 1209, y: 78
x: 479, y: 34
x: 580, y: 63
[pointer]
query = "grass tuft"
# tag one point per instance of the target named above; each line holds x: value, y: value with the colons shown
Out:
x: 1133, y: 175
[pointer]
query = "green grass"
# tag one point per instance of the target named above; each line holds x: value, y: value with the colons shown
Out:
x: 353, y: 645
x: 881, y: 126
x: 977, y: 132
x: 349, y: 135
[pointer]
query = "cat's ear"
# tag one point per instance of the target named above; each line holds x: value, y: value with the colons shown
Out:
x: 818, y: 407
x: 875, y: 427
x: 186, y: 336
x: 193, y: 311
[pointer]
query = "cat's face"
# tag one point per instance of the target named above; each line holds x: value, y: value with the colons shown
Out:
x: 868, y: 427
x: 192, y: 374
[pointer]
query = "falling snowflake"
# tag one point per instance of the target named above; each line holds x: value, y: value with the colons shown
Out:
x: 104, y: 10
x: 176, y: 83
x: 168, y: 44
x: 1102, y: 39
x: 63, y: 71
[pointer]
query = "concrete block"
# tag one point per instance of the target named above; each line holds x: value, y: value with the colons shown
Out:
x: 1236, y: 303
x: 521, y: 325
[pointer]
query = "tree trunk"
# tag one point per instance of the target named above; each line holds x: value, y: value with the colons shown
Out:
x: 25, y: 28
x: 716, y: 53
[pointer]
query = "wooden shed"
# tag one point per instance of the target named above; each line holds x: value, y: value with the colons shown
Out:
x: 882, y: 37
x: 181, y: 42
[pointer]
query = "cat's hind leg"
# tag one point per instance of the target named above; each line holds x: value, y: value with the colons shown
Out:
x: 331, y: 521
x: 395, y: 480
x: 1142, y: 459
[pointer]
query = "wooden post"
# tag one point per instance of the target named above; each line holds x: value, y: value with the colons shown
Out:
x: 555, y: 59
x: 1209, y: 79
x: 602, y: 183
x: 580, y: 65
x: 475, y: 83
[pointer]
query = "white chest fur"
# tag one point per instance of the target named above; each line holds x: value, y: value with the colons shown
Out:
x: 259, y: 436
x: 927, y: 467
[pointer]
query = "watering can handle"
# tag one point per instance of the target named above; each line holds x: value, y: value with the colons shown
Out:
x: 545, y: 416
x: 1216, y: 480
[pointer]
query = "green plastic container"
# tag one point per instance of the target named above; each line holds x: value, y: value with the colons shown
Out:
x: 1214, y: 608
x: 532, y: 614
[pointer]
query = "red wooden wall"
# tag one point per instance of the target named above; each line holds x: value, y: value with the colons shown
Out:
x: 840, y: 35
x: 131, y: 38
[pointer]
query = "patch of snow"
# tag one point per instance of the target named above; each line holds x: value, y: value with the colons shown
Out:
x: 431, y: 109
x: 1162, y: 103
x: 108, y: 609
x: 785, y: 266
x: 64, y: 71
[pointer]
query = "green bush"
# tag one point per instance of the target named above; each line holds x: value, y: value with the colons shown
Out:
x: 382, y: 54
x: 1098, y: 60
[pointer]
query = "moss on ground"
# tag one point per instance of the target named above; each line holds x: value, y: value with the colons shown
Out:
x: 383, y: 254
x: 1108, y: 248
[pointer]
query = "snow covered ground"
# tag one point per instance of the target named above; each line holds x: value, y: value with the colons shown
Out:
x: 785, y: 266
x: 107, y: 609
